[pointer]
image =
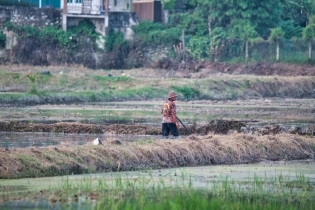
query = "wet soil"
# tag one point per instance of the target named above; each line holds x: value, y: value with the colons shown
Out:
x: 213, y: 127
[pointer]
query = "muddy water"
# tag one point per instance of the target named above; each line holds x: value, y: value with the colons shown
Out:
x: 22, y: 139
x: 290, y: 112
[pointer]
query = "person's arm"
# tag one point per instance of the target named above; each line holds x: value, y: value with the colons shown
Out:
x: 176, y: 121
x: 174, y: 116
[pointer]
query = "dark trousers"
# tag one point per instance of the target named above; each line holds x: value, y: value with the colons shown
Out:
x: 169, y: 127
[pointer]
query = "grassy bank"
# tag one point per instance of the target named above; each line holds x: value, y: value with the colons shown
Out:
x: 83, y: 85
x: 116, y: 156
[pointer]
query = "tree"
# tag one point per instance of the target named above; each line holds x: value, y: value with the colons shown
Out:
x: 275, y: 36
x: 31, y: 80
x: 261, y: 14
x: 308, y: 34
x: 245, y: 31
x: 217, y: 35
x: 306, y: 7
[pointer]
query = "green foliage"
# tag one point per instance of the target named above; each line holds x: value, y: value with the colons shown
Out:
x: 85, y: 28
x: 193, y: 24
x: 155, y: 33
x: 52, y: 35
x: 168, y: 36
x: 111, y: 79
x: 114, y: 39
x: 217, y: 35
x: 290, y: 28
x: 309, y: 32
x: 199, y: 47
x: 31, y: 80
x: 188, y: 92
x: 70, y: 37
x: 276, y: 34
x: 27, y: 31
x: 243, y: 29
x: 9, y: 25
x: 168, y: 4
x: 2, y: 39
x: 262, y: 14
x: 146, y: 26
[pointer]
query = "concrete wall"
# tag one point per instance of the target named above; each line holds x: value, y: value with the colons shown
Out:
x: 30, y: 16
x: 120, y: 5
x: 41, y: 17
x: 119, y: 21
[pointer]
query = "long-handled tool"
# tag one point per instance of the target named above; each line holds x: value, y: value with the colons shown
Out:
x: 183, y: 125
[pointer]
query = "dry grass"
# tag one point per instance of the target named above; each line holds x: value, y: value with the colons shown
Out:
x: 193, y: 151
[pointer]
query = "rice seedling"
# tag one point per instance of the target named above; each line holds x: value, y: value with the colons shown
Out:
x: 146, y: 190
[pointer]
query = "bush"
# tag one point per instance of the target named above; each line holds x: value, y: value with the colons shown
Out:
x: 150, y: 33
x: 2, y: 39
x: 188, y: 92
x: 199, y: 47
x: 113, y: 40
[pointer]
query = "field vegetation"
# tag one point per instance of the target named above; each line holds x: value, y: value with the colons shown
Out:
x: 65, y: 85
x: 149, y: 189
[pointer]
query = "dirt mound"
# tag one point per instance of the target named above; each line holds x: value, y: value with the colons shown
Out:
x: 214, y: 127
x: 132, y: 129
x: 258, y: 68
x: 193, y: 151
x: 218, y: 127
x: 15, y: 126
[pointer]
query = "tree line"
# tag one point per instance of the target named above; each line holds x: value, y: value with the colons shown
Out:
x: 210, y: 25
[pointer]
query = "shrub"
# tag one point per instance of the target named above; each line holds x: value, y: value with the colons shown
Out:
x: 2, y: 39
x: 188, y: 92
x: 113, y: 40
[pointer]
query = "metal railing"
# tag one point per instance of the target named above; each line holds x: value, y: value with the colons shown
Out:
x: 80, y: 9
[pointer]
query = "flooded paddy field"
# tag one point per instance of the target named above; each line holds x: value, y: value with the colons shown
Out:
x: 267, y: 180
x: 259, y: 111
x: 10, y: 140
x: 289, y: 113
x: 281, y: 179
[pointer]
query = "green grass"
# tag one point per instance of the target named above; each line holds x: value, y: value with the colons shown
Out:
x: 111, y: 79
x: 173, y: 191
x: 94, y: 86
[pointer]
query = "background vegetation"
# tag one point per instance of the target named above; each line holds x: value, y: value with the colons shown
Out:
x: 237, y: 31
x: 242, y: 31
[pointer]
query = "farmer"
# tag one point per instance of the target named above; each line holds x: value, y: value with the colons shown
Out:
x: 170, y: 122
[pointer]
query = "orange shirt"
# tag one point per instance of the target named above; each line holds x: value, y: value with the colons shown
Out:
x: 168, y: 111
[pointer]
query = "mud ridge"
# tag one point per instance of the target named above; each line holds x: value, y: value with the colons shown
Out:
x: 213, y: 127
x: 192, y: 151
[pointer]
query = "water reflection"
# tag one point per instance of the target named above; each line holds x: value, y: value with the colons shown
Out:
x: 39, y: 139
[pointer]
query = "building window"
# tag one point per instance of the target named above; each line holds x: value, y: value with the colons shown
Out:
x: 78, y: 1
x: 69, y: 1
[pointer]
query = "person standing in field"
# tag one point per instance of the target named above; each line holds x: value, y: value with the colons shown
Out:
x: 170, y: 122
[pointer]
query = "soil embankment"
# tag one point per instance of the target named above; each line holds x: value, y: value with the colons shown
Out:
x: 213, y: 127
x: 115, y: 155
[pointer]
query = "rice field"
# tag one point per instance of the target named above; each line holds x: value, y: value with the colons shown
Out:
x: 267, y: 185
